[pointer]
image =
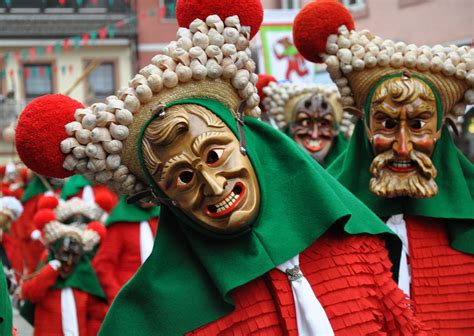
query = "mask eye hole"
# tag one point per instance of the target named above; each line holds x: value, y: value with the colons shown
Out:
x: 184, y: 178
x: 389, y: 123
x: 214, y: 155
x: 417, y: 124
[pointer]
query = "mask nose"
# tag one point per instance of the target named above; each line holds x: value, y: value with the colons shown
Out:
x: 403, y: 144
x: 315, y: 131
x: 213, y: 185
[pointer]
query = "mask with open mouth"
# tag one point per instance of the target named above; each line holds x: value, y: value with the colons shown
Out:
x: 196, y: 161
x: 313, y: 125
x: 69, y: 252
x: 403, y: 125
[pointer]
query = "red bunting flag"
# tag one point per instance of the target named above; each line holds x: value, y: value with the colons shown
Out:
x: 66, y: 44
x: 103, y: 33
x: 41, y: 71
x: 62, y: 2
x: 49, y: 49
x: 32, y: 53
x: 27, y: 72
x: 85, y: 38
x: 17, y: 55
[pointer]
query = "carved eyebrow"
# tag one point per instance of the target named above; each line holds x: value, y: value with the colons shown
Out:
x: 168, y: 164
x: 423, y: 107
x: 202, y: 138
x: 386, y: 109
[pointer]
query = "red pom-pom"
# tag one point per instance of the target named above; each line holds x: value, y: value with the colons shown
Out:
x: 43, y: 217
x: 25, y: 174
x: 250, y: 12
x: 48, y: 202
x: 40, y: 131
x: 3, y: 169
x: 97, y: 227
x: 105, y: 199
x: 263, y: 81
x: 313, y: 25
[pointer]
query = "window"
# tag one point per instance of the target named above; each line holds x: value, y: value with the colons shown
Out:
x: 353, y: 5
x: 167, y: 9
x: 291, y: 4
x: 38, y: 80
x: 101, y: 82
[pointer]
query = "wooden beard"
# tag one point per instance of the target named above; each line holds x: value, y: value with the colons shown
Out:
x: 312, y: 125
x: 196, y: 161
x: 403, y: 133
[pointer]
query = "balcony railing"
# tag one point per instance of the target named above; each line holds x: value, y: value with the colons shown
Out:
x: 66, y: 6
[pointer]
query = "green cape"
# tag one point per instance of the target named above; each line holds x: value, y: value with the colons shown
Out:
x: 83, y: 278
x: 35, y: 187
x: 124, y: 212
x: 339, y: 145
x: 5, y: 306
x: 455, y: 179
x: 73, y: 185
x: 191, y: 270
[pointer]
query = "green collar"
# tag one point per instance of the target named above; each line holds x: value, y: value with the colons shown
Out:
x: 5, y: 306
x: 73, y: 186
x: 35, y: 187
x: 124, y: 212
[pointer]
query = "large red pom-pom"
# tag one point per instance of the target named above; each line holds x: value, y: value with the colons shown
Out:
x: 313, y: 25
x: 105, y: 199
x: 97, y: 227
x: 263, y: 81
x: 43, y: 217
x: 40, y: 131
x: 48, y: 202
x: 250, y: 12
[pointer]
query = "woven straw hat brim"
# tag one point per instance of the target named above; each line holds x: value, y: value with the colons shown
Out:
x: 451, y: 89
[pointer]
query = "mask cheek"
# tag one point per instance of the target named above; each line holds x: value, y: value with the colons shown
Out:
x: 424, y: 145
x: 381, y: 143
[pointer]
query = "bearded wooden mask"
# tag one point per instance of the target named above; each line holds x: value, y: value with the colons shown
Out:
x: 196, y: 161
x: 313, y: 125
x: 403, y: 130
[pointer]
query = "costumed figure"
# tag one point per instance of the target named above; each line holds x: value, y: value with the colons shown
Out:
x: 14, y: 178
x: 64, y: 291
x: 310, y: 114
x: 131, y: 229
x: 401, y: 161
x: 31, y: 248
x: 254, y: 236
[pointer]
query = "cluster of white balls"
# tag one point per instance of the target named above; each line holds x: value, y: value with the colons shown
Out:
x: 206, y: 50
x: 351, y: 51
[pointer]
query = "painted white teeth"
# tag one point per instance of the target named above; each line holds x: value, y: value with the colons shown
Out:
x: 227, y: 202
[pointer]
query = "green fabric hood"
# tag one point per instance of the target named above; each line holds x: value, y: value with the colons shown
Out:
x: 455, y: 179
x: 124, y: 212
x: 191, y: 270
x: 35, y: 187
x: 73, y: 186
x: 339, y: 145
